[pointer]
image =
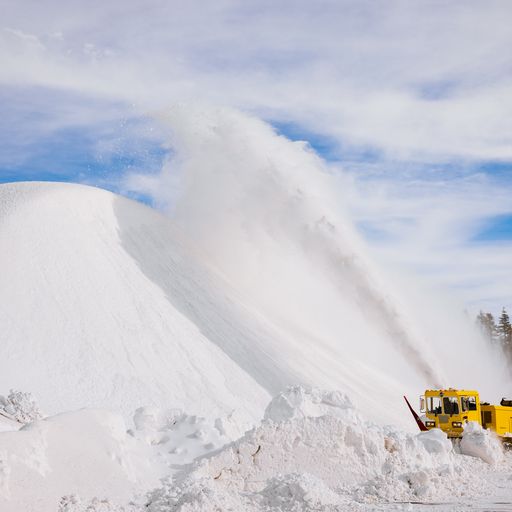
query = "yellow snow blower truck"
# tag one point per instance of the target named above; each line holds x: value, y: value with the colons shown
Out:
x: 449, y: 409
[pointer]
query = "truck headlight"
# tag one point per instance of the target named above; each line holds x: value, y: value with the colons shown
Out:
x: 430, y: 424
x: 456, y: 424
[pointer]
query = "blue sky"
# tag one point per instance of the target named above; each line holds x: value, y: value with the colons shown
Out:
x: 413, y: 109
x: 496, y: 228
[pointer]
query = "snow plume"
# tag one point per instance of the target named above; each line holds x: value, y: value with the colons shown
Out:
x: 269, y: 215
x: 267, y: 211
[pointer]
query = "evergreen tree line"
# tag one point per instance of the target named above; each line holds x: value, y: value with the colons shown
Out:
x: 498, y: 333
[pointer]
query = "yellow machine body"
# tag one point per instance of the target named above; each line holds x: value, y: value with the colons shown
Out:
x: 449, y: 409
x: 497, y: 418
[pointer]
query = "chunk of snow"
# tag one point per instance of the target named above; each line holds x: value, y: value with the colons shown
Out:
x: 20, y: 406
x: 302, y: 401
x: 435, y: 441
x: 479, y: 442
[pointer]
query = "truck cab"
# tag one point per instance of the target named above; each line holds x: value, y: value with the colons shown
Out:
x: 449, y: 409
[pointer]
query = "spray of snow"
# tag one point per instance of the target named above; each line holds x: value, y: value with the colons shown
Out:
x: 260, y: 204
x: 269, y: 214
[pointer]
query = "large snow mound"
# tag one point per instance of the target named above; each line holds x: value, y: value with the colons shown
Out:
x: 87, y: 326
x: 105, y: 303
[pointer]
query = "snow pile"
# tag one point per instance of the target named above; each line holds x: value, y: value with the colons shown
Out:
x: 87, y: 453
x: 20, y: 406
x: 312, y: 452
x: 481, y: 443
x: 91, y: 325
x: 296, y: 461
x: 91, y: 455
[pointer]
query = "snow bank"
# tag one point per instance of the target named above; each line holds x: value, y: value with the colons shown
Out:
x: 481, y: 443
x: 313, y: 451
x: 86, y: 452
x: 89, y: 461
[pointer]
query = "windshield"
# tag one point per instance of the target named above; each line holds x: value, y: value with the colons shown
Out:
x: 434, y: 405
x: 451, y: 405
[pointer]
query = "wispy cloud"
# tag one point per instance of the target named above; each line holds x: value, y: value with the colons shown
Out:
x: 439, y: 224
x: 424, y: 77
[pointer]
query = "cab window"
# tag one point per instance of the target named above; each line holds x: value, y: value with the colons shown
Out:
x: 434, y: 405
x: 468, y: 403
x: 451, y: 405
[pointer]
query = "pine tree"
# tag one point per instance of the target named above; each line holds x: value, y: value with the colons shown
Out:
x: 505, y: 330
x: 488, y: 326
